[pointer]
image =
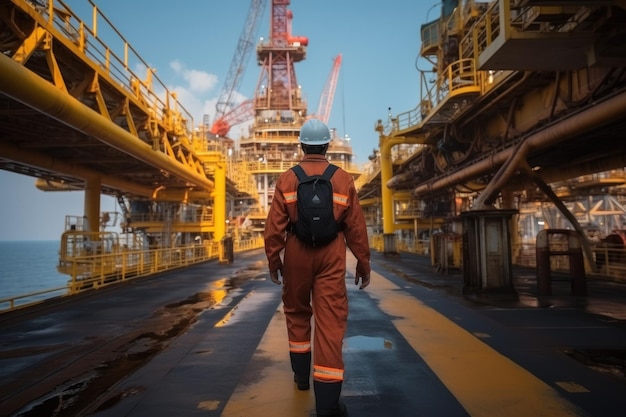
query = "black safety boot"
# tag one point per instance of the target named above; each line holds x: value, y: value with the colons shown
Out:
x: 327, y: 399
x: 301, y: 366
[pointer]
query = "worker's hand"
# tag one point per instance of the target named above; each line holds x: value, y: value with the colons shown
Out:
x: 276, y: 275
x: 365, y: 280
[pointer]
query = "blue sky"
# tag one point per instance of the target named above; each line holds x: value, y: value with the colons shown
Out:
x: 191, y: 44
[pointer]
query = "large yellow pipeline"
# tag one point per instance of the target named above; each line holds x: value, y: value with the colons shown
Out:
x: 39, y: 94
x: 386, y: 172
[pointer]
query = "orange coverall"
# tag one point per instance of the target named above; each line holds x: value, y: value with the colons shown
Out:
x: 317, y: 273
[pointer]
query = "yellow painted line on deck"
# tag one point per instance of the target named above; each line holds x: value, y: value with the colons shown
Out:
x: 485, y: 382
x: 270, y: 391
x: 570, y: 386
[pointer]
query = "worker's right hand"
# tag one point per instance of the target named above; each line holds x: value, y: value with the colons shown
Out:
x: 276, y: 275
x: 365, y: 280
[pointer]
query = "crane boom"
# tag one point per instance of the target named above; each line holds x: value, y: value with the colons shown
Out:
x: 225, y: 102
x: 328, y: 94
x: 243, y: 112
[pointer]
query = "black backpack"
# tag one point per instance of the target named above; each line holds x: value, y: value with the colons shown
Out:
x: 316, y: 223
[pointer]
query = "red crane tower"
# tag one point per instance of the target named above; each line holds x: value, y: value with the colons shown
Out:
x: 226, y: 114
x: 277, y: 88
x: 326, y: 100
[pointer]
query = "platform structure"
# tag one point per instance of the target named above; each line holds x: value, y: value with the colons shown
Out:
x: 210, y: 340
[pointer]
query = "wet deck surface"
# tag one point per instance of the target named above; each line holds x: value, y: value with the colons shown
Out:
x: 210, y: 341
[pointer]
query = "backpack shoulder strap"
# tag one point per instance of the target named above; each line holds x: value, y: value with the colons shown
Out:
x: 299, y: 172
x: 329, y: 172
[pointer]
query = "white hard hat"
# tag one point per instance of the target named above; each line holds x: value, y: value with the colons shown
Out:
x: 314, y: 132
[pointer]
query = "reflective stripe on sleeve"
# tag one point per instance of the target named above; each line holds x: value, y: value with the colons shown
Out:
x: 299, y: 347
x: 291, y: 197
x: 323, y: 373
x: 340, y: 199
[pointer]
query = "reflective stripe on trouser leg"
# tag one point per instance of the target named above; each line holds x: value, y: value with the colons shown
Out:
x: 299, y: 347
x: 325, y: 374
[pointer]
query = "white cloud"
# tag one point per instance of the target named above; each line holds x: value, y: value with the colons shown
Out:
x: 199, y: 81
x: 195, y: 91
x: 198, y: 92
x: 177, y: 66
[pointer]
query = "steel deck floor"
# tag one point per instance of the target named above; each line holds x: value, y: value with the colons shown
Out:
x: 210, y: 340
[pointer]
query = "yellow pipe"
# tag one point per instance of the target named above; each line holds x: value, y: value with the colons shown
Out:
x: 402, y: 195
x: 30, y: 89
x: 386, y: 172
x: 156, y: 191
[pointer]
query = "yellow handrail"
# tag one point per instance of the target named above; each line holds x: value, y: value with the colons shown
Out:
x: 97, y: 270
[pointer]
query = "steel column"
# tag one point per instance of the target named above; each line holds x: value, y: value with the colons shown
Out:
x: 386, y: 143
x: 92, y: 203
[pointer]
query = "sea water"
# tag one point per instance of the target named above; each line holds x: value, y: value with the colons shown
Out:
x: 30, y: 266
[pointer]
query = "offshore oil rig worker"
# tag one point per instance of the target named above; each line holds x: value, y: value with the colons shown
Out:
x: 313, y: 278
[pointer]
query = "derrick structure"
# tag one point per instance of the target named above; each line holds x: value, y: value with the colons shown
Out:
x: 280, y: 109
x: 523, y: 110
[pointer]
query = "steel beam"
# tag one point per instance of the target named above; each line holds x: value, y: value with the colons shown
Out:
x: 28, y: 88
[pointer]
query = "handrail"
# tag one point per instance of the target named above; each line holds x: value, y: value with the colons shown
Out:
x: 458, y: 78
x: 89, y: 272
x: 89, y: 40
x: 430, y: 33
x: 369, y: 172
x: 483, y: 32
x: 13, y: 300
